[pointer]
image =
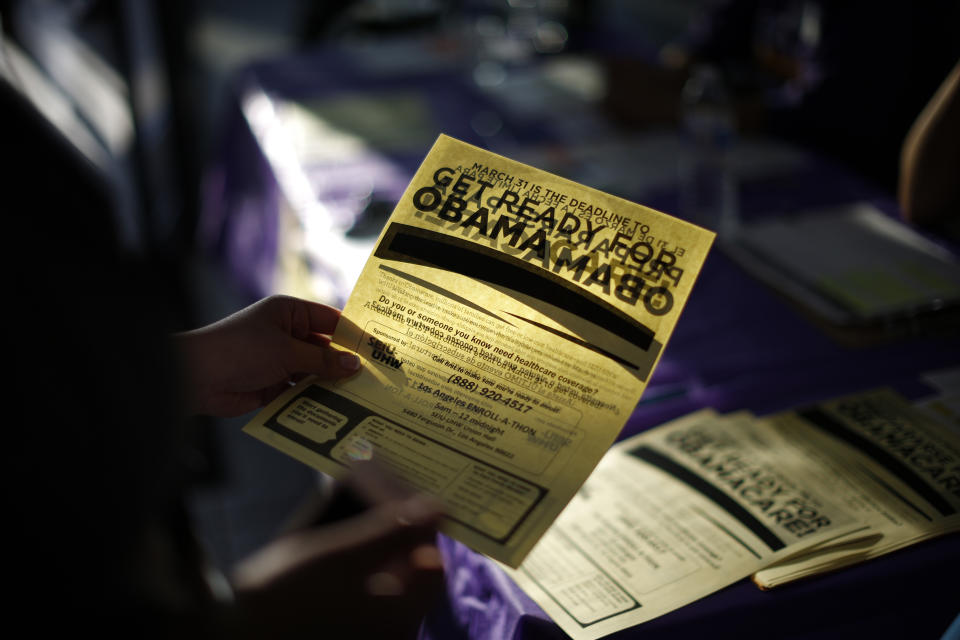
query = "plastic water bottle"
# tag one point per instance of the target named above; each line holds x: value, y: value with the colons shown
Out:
x: 708, y: 186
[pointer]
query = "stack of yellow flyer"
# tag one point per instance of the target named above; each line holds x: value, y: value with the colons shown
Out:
x: 900, y: 474
x: 508, y: 321
x: 680, y: 511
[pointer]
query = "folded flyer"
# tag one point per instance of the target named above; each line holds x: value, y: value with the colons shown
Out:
x: 508, y: 321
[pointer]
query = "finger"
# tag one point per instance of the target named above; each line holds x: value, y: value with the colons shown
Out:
x: 425, y: 578
x: 310, y: 511
x: 368, y: 541
x: 323, y: 319
x: 374, y: 484
x: 301, y: 317
x: 318, y: 340
x: 326, y: 362
x: 417, y: 576
x: 368, y: 484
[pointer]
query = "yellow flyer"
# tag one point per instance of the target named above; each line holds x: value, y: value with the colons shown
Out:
x: 508, y: 321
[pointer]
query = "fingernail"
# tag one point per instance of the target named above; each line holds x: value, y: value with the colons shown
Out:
x: 349, y: 361
x: 426, y: 557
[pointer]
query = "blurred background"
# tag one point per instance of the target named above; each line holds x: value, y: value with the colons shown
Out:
x: 263, y: 145
x: 672, y: 104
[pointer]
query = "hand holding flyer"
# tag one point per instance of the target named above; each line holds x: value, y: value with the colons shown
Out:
x: 508, y: 320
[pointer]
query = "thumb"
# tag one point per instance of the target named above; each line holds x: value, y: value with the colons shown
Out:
x: 324, y: 361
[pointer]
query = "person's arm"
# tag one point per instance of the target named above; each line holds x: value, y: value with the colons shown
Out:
x: 929, y: 188
x: 246, y: 360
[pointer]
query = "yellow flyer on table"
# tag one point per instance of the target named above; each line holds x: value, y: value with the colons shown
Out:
x: 508, y: 321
